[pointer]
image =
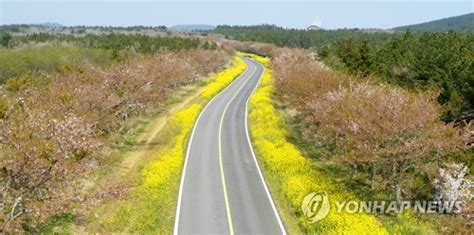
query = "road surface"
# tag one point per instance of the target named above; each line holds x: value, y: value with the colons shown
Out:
x: 222, y: 189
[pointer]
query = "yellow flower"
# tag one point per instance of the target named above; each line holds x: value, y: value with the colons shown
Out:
x: 220, y: 80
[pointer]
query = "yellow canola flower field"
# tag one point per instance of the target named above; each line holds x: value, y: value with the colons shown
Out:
x: 261, y: 59
x: 150, y: 207
x: 292, y: 175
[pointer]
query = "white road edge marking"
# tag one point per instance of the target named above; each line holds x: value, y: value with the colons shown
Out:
x: 183, y: 174
x: 255, y: 158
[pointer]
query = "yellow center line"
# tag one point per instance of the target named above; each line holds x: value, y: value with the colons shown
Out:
x: 226, y: 198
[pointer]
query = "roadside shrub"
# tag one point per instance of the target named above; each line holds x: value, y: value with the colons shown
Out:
x: 453, y: 185
x: 15, y: 84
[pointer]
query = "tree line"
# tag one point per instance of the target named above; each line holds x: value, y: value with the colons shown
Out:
x: 296, y: 37
x: 117, y: 42
x: 442, y: 62
x: 41, y: 53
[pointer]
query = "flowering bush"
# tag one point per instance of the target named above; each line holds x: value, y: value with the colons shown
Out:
x: 294, y: 173
x: 453, y: 184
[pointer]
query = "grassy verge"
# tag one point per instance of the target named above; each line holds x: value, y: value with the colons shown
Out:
x: 45, y: 59
x: 292, y: 176
x: 149, y: 205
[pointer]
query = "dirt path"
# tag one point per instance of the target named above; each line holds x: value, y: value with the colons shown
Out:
x: 147, y: 140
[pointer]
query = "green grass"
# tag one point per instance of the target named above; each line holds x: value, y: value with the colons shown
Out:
x: 60, y: 223
x: 37, y: 60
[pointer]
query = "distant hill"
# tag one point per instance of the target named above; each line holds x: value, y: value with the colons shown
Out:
x: 193, y: 27
x: 462, y: 23
x: 50, y: 25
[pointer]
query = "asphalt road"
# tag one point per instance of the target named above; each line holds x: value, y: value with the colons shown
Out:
x: 222, y: 189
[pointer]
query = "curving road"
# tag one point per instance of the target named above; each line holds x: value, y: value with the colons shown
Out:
x: 222, y: 189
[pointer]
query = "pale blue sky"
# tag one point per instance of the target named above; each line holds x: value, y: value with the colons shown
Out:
x: 299, y: 14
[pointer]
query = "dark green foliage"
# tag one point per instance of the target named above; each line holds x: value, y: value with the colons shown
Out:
x: 17, y: 63
x: 56, y: 224
x: 117, y: 42
x: 462, y: 23
x: 357, y: 58
x: 3, y: 108
x: 16, y: 28
x: 437, y: 61
x: 193, y: 27
x: 296, y: 37
x: 115, y: 28
x: 366, y: 59
x: 5, y: 37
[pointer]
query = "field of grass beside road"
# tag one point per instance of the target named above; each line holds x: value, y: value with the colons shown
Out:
x: 40, y: 60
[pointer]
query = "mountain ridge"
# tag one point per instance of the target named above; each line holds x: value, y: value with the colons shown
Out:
x: 193, y: 27
x: 463, y: 23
